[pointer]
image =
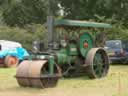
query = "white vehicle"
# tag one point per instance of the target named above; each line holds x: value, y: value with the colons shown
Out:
x: 11, y: 53
x: 9, y: 45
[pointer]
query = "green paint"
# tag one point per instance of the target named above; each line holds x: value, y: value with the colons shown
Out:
x: 62, y: 56
x: 66, y: 56
x: 98, y: 65
x: 76, y: 23
x: 51, y: 65
x: 72, y: 49
x: 85, y: 37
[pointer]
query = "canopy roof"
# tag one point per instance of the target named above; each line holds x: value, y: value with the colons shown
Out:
x: 76, y: 23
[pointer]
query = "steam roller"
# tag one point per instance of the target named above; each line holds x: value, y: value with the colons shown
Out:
x: 70, y: 51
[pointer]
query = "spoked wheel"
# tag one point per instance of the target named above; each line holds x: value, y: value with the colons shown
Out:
x: 98, y: 63
x: 11, y: 61
x: 36, y: 74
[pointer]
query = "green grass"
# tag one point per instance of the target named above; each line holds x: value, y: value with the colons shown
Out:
x: 115, y: 84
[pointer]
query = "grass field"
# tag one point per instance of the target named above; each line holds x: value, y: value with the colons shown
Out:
x: 115, y: 84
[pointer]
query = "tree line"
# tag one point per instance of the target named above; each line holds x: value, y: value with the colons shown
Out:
x: 29, y: 12
x: 20, y: 12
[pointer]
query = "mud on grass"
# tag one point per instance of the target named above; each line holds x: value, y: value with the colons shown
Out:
x: 115, y: 84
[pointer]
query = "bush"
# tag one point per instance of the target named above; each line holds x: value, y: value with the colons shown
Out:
x: 118, y: 32
x: 23, y: 35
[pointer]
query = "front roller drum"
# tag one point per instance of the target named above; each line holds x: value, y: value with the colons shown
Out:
x: 97, y: 63
x: 36, y: 74
x: 22, y: 74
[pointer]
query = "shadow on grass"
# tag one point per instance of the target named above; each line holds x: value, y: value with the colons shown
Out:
x: 23, y: 89
x: 76, y: 78
x: 18, y: 88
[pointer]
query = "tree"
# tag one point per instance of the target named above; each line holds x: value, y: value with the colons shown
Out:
x: 90, y: 9
x: 27, y: 12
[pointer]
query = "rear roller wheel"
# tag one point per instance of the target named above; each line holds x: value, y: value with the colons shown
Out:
x: 37, y: 74
x: 98, y: 63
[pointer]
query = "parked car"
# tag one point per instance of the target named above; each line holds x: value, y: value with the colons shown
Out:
x: 117, y: 50
x: 11, y: 53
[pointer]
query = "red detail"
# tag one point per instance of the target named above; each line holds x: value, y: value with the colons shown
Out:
x: 1, y: 61
x: 12, y: 60
x: 85, y: 45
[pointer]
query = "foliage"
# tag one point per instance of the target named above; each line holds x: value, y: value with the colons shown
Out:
x: 31, y: 13
x: 118, y: 32
x: 88, y: 9
x: 25, y: 12
x: 22, y: 12
x: 25, y: 35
